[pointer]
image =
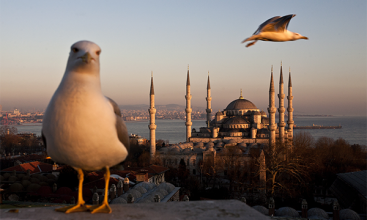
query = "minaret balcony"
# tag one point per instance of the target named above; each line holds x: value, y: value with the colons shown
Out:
x: 281, y: 124
x: 290, y: 109
x: 208, y: 110
x: 188, y: 123
x: 188, y: 97
x: 272, y: 110
x: 152, y: 126
x: 152, y: 110
x: 281, y: 96
x: 281, y: 110
x: 188, y: 110
x: 290, y: 97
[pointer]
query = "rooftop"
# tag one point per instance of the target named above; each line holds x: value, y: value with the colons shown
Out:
x: 218, y: 209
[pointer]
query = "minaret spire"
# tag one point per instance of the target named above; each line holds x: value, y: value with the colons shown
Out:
x: 241, y: 97
x: 290, y: 109
x: 152, y: 126
x: 208, y: 103
x: 272, y: 110
x: 281, y: 108
x: 188, y: 107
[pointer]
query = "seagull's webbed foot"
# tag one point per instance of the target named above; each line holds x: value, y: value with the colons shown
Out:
x: 104, y: 207
x: 74, y: 208
x: 252, y: 43
x: 80, y: 206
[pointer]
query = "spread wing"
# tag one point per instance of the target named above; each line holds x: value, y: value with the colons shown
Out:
x: 267, y: 22
x: 275, y: 24
x: 120, y: 125
x: 281, y: 24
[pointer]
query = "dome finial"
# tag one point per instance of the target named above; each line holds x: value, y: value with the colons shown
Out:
x: 241, y: 97
x: 271, y: 68
x: 152, y: 74
x: 188, y: 66
x: 281, y: 63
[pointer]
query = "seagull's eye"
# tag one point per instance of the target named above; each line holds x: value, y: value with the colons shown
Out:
x: 75, y: 49
x: 98, y: 52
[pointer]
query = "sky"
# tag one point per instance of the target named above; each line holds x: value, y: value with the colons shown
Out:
x: 137, y: 37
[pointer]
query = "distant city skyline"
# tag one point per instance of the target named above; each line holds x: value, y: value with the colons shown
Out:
x: 328, y: 70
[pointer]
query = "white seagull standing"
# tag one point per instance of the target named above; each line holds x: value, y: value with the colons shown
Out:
x: 274, y: 29
x: 82, y: 127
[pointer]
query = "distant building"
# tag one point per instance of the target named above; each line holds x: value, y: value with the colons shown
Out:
x: 351, y: 190
x: 240, y: 124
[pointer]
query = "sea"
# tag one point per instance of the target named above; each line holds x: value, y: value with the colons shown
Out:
x: 354, y: 128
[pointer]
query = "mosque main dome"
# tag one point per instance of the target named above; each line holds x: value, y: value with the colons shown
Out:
x: 240, y: 103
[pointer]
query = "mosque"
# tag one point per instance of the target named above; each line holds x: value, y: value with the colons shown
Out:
x: 240, y: 124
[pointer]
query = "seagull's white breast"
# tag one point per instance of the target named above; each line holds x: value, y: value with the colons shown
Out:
x: 277, y: 36
x: 80, y: 126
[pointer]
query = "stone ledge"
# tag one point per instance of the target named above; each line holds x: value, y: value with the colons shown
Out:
x: 211, y: 210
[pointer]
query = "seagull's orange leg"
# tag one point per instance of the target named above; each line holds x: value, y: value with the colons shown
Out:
x: 104, y: 207
x: 80, y: 206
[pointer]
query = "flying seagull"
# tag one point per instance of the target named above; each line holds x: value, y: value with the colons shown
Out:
x: 274, y: 29
x: 82, y: 127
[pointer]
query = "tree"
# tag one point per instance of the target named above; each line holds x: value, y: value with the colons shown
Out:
x: 9, y: 139
x: 183, y: 173
x: 285, y: 169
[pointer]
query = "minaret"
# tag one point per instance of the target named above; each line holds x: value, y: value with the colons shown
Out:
x: 208, y: 103
x: 272, y: 110
x: 152, y: 125
x: 290, y: 108
x: 262, y: 171
x: 188, y: 107
x: 281, y: 108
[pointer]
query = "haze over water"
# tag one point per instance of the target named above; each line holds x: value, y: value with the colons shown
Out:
x: 354, y: 128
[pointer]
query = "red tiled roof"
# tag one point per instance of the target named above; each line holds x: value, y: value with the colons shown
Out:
x: 157, y: 169
x: 34, y: 167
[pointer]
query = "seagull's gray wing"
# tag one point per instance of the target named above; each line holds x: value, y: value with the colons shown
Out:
x: 120, y: 126
x: 281, y: 24
x: 267, y: 22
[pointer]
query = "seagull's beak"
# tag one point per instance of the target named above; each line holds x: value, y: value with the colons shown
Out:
x: 303, y: 37
x: 86, y: 57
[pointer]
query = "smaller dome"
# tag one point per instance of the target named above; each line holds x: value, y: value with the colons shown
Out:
x: 187, y: 151
x: 118, y: 200
x: 348, y: 214
x: 141, y: 189
x: 317, y: 213
x: 256, y: 113
x: 236, y: 120
x: 287, y: 212
x: 210, y: 144
x: 261, y: 209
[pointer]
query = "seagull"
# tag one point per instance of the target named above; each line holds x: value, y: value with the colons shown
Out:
x: 81, y: 127
x: 274, y: 29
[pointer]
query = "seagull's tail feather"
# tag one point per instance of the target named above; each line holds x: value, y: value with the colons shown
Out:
x: 252, y: 43
x: 253, y: 37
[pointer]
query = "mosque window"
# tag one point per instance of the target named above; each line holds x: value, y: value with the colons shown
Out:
x: 193, y: 162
